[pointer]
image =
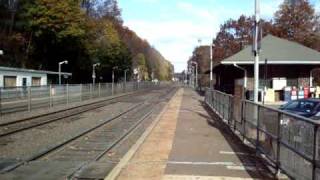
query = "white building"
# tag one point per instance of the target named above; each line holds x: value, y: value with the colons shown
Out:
x: 15, y: 77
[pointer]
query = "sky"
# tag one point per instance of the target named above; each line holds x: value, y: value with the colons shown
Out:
x: 174, y: 27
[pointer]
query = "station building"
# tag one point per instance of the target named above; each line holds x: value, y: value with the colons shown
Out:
x: 284, y: 65
x: 17, y: 77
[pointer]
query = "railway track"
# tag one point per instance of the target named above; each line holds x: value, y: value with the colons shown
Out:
x: 13, y: 127
x: 100, y: 139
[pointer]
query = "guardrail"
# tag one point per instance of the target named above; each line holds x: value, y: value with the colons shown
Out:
x: 287, y: 142
x: 20, y: 99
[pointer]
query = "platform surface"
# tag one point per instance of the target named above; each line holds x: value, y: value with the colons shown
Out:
x: 190, y: 142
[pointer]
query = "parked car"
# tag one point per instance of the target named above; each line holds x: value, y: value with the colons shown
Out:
x: 309, y: 108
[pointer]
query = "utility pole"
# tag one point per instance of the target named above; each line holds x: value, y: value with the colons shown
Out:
x: 256, y: 51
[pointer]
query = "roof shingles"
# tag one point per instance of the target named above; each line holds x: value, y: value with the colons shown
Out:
x: 277, y: 51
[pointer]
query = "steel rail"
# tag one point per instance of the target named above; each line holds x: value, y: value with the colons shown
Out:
x: 124, y: 136
x: 70, y: 108
x: 51, y: 120
x: 67, y: 141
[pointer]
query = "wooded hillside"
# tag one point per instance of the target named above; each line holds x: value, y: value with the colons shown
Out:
x: 38, y: 34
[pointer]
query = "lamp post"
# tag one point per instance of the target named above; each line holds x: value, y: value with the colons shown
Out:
x: 256, y: 51
x: 1, y: 52
x: 94, y: 73
x: 60, y: 63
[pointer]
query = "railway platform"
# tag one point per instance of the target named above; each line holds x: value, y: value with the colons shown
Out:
x: 188, y: 141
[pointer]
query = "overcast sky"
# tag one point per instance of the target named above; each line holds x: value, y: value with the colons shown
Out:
x: 174, y: 26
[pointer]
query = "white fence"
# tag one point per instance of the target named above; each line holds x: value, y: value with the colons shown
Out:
x: 19, y: 99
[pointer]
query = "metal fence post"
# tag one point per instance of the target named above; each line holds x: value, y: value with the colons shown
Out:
x: 99, y: 90
x: 243, y: 119
x: 29, y: 98
x: 80, y: 92
x: 258, y: 126
x: 314, y: 157
x: 112, y: 88
x: 278, y: 144
x: 90, y: 89
x: 50, y: 96
x: 0, y: 103
x: 67, y: 89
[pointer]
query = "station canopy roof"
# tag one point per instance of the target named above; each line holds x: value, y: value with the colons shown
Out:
x: 2, y: 68
x: 276, y: 51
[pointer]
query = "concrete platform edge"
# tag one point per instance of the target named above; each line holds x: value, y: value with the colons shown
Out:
x: 125, y: 160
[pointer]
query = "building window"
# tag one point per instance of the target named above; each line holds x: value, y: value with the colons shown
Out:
x: 36, y: 81
x: 10, y: 81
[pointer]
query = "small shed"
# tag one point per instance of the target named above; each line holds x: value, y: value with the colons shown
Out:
x: 17, y: 77
x: 283, y: 64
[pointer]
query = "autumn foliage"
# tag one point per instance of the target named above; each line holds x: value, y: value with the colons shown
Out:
x: 38, y: 34
x: 296, y: 22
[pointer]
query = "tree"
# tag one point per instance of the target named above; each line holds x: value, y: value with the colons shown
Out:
x: 234, y: 35
x: 139, y: 62
x: 39, y: 33
x: 110, y: 9
x: 111, y: 51
x: 57, y: 19
x: 298, y: 22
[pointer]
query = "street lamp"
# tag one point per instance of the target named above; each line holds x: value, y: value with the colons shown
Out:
x: 1, y: 52
x: 60, y: 63
x: 94, y: 72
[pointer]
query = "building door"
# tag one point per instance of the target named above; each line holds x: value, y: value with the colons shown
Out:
x: 24, y: 82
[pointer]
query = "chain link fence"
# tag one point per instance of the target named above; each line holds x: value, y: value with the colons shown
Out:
x: 289, y: 143
x: 20, y: 99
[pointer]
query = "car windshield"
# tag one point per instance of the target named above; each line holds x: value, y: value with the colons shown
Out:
x: 303, y: 106
x: 307, y: 105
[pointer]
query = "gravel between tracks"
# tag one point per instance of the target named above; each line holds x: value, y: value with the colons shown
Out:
x: 25, y: 144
